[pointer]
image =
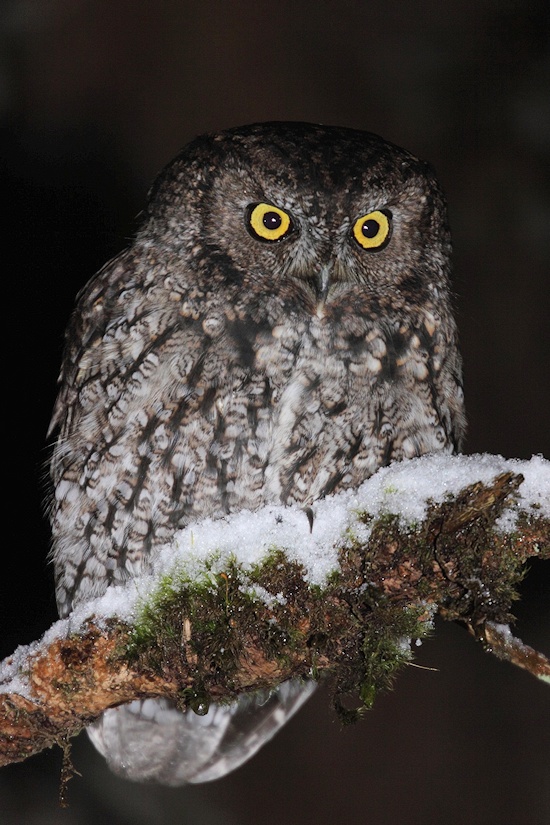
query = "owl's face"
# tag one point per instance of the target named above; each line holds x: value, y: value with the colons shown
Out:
x: 327, y: 209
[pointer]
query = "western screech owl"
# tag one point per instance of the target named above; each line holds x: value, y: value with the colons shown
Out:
x: 279, y: 329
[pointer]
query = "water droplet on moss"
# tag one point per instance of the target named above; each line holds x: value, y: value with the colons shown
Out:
x: 200, y: 705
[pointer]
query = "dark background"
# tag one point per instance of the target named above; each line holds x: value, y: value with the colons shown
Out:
x: 94, y: 98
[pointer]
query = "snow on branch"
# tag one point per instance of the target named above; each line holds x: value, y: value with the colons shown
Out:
x: 340, y: 591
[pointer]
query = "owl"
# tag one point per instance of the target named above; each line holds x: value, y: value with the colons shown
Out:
x: 280, y: 328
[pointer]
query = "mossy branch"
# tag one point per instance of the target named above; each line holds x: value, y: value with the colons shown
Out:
x: 212, y: 639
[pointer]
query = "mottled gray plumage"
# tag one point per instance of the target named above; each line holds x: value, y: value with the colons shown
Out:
x: 213, y: 367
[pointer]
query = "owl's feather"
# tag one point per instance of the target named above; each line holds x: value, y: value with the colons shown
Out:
x: 208, y: 370
x: 183, y: 748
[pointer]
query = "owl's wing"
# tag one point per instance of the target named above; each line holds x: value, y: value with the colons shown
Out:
x: 149, y: 740
x: 88, y: 353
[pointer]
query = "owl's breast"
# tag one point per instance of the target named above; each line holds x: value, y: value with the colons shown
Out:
x: 354, y: 398
x: 319, y: 410
x: 221, y: 418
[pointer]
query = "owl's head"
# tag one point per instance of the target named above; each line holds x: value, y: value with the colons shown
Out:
x: 327, y: 208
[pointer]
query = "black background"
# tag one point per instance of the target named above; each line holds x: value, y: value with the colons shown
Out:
x: 94, y: 98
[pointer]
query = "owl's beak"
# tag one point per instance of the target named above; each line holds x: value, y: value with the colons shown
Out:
x: 322, y: 282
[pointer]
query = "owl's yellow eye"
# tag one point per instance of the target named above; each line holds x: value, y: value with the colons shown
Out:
x: 268, y: 222
x: 372, y: 231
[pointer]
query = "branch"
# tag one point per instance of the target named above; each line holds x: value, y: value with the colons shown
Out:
x: 236, y: 627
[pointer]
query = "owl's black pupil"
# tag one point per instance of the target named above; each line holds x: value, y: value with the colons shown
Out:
x: 272, y: 220
x: 370, y: 228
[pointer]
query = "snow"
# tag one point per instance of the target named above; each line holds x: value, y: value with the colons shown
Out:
x: 404, y: 489
x: 13, y: 669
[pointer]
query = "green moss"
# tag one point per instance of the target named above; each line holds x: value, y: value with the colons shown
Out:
x: 203, y: 626
x: 178, y: 607
x: 384, y: 649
